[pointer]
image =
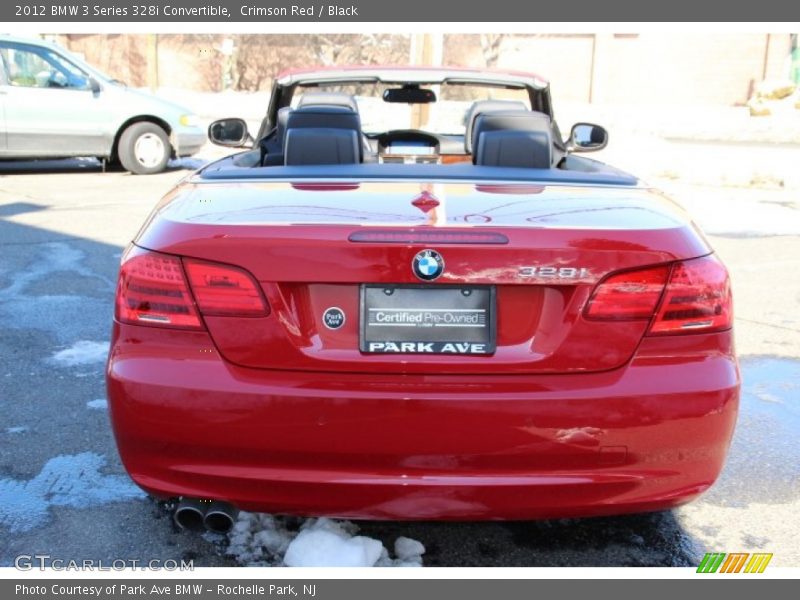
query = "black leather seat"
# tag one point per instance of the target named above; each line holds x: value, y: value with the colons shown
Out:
x: 334, y: 117
x: 322, y: 135
x: 342, y: 100
x: 272, y: 145
x: 513, y: 139
x: 321, y: 146
x: 484, y: 106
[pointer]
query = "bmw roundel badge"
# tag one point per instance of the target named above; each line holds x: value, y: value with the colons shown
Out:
x: 428, y: 265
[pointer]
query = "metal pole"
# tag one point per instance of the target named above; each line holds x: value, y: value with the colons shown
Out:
x: 591, y: 68
x: 152, y: 61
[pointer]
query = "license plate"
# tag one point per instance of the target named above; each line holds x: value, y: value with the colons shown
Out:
x: 423, y: 319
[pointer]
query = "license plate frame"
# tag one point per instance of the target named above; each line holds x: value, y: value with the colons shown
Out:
x: 426, y: 309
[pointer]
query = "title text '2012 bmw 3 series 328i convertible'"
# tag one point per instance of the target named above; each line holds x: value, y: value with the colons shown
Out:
x: 410, y: 298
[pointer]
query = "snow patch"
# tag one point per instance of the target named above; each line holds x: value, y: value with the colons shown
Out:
x: 99, y: 404
x: 21, y: 308
x: 747, y: 219
x: 265, y: 540
x: 408, y: 549
x: 322, y: 548
x: 213, y: 538
x: 74, y: 481
x: 738, y: 211
x: 82, y: 353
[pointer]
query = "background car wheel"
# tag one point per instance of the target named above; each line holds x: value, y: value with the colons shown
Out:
x: 144, y: 148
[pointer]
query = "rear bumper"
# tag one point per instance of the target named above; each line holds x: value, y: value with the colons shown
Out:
x: 648, y: 436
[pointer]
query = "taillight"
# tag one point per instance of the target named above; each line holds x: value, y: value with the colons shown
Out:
x: 225, y: 291
x: 686, y: 297
x: 697, y: 299
x: 152, y: 290
x: 628, y: 296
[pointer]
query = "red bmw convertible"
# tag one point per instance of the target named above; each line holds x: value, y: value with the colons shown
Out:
x: 410, y: 297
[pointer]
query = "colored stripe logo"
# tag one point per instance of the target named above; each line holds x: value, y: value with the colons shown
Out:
x: 734, y: 562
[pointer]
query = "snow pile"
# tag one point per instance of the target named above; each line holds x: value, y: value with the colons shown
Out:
x: 99, y: 404
x: 259, y: 539
x: 68, y: 480
x: 408, y: 550
x: 315, y: 547
x: 743, y: 218
x: 264, y: 540
x: 82, y: 353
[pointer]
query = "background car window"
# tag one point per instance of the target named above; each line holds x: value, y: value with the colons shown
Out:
x: 41, y: 68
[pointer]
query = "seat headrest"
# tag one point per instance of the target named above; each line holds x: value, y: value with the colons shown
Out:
x: 328, y: 99
x: 321, y: 146
x: 483, y: 106
x: 336, y: 117
x: 325, y: 117
x: 513, y: 139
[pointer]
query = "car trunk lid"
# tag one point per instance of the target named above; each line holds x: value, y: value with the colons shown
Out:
x: 313, y: 246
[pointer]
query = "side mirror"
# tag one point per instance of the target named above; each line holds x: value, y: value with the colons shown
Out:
x: 94, y: 85
x: 586, y: 137
x: 229, y: 132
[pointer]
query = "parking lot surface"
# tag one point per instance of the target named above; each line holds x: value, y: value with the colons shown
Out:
x: 63, y: 492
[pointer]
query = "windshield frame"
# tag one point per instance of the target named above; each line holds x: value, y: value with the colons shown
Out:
x: 437, y: 118
x: 284, y: 89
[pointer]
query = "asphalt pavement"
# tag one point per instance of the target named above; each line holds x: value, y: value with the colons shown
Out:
x: 63, y: 492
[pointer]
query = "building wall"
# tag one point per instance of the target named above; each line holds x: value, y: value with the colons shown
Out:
x: 647, y: 68
x: 564, y: 60
x: 689, y: 68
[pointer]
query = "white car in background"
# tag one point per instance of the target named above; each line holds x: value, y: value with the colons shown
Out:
x: 54, y: 105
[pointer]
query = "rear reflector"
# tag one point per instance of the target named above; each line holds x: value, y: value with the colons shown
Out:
x: 225, y: 291
x: 628, y: 296
x: 152, y: 290
x: 698, y: 299
x: 388, y: 236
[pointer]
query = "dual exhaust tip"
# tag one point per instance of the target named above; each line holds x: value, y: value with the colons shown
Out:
x: 195, y: 514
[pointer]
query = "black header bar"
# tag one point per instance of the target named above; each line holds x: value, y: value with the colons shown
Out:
x: 420, y: 11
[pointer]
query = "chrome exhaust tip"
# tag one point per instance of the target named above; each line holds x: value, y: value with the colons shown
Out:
x: 220, y: 516
x: 190, y: 512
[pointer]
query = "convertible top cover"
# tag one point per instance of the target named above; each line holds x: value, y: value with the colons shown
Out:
x: 226, y: 170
